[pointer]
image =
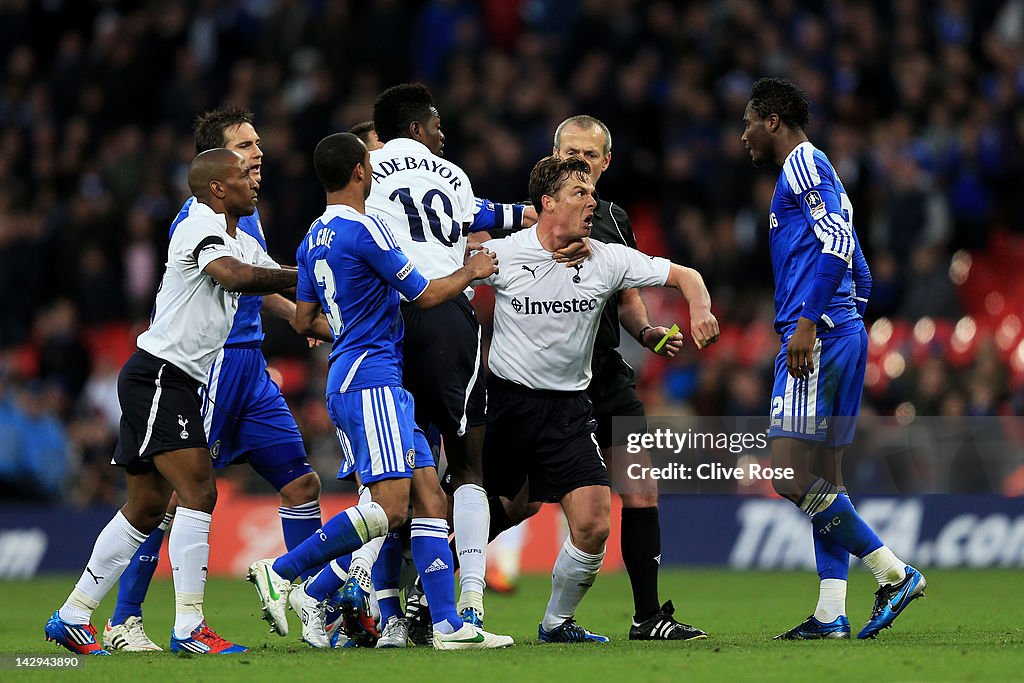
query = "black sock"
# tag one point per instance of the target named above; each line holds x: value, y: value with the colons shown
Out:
x: 499, y: 522
x: 641, y: 553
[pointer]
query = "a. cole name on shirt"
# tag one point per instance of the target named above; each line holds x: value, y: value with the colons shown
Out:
x: 385, y: 168
x: 532, y: 307
x: 323, y: 238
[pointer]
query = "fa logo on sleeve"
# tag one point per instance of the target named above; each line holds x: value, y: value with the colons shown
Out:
x: 816, y: 206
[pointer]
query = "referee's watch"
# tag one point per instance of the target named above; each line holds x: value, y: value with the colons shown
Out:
x: 642, y: 332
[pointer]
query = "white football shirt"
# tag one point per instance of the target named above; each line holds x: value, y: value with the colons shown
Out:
x: 546, y: 315
x: 425, y: 200
x: 193, y: 313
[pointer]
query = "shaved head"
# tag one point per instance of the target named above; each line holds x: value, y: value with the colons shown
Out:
x: 213, y: 164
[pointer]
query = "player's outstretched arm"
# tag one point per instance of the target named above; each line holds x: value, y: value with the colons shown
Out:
x: 481, y: 265
x: 235, y: 276
x: 703, y: 324
x: 308, y: 320
x: 634, y: 318
x: 316, y: 326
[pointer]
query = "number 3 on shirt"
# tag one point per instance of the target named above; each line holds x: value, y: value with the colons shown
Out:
x: 325, y: 277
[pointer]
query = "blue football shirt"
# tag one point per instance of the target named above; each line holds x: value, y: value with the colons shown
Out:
x: 351, y: 264
x: 811, y: 214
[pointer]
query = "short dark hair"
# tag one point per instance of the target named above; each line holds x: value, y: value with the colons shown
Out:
x: 778, y: 96
x: 210, y: 126
x: 398, y: 107
x: 362, y: 131
x: 335, y: 157
x: 550, y: 173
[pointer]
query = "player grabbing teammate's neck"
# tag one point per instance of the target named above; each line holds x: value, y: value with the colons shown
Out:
x: 565, y: 205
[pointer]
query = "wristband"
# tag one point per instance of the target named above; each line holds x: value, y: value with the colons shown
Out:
x: 640, y: 334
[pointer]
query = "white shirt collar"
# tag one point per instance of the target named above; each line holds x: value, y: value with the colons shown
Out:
x: 405, y: 145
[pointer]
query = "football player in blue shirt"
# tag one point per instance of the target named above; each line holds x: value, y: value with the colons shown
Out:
x: 351, y: 267
x: 822, y: 284
x: 247, y: 419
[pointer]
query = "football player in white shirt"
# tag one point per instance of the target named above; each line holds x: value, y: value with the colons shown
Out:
x: 540, y: 432
x: 428, y: 203
x: 162, y: 444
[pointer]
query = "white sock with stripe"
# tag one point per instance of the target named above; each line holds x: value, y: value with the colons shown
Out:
x: 189, y: 551
x: 572, y: 576
x: 111, y: 553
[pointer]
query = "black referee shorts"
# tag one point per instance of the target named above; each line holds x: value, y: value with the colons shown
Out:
x: 442, y: 365
x: 160, y: 411
x: 544, y: 437
x: 613, y: 393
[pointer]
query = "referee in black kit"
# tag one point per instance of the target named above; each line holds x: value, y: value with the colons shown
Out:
x: 613, y: 393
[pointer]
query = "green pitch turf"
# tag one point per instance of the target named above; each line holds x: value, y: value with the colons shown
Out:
x: 968, y: 628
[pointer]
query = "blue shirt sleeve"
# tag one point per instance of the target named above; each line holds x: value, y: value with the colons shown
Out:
x: 305, y: 290
x: 491, y: 216
x: 823, y: 211
x: 380, y: 251
x: 862, y: 280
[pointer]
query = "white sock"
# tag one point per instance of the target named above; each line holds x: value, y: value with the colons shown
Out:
x: 471, y: 517
x: 363, y: 561
x: 189, y: 552
x: 506, y: 550
x: 571, y: 578
x: 886, y: 567
x: 111, y: 553
x: 831, y: 600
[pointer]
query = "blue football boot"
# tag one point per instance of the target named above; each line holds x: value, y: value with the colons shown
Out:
x: 812, y: 629
x: 891, y: 600
x: 569, y: 632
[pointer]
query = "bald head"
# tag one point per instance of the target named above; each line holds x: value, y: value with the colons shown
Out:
x: 213, y: 164
x: 220, y: 179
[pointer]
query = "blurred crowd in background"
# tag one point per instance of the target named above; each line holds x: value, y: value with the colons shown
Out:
x: 917, y: 104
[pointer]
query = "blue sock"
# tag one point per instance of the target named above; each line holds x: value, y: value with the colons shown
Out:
x: 343, y: 533
x: 840, y: 524
x: 299, y: 523
x: 329, y: 581
x: 832, y: 559
x: 386, y: 573
x: 433, y: 560
x: 134, y: 582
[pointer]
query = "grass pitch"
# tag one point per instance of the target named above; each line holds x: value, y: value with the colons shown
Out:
x: 969, y: 628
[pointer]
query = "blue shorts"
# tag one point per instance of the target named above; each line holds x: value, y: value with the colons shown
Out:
x: 248, y: 420
x: 378, y: 434
x: 823, y: 407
